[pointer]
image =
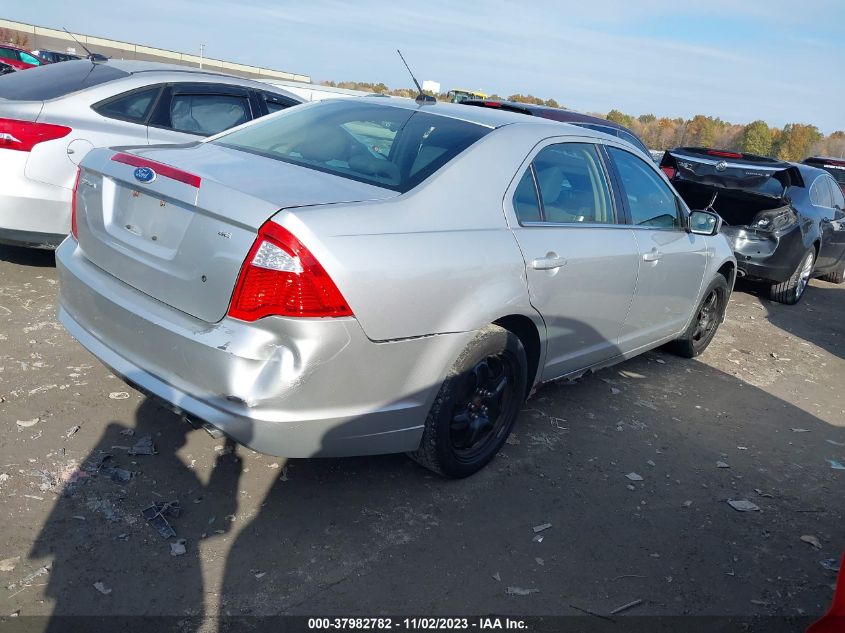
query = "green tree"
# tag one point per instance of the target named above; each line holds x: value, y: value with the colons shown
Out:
x: 757, y: 139
x: 701, y: 130
x: 622, y: 119
x: 795, y: 141
x: 646, y: 119
x: 551, y: 103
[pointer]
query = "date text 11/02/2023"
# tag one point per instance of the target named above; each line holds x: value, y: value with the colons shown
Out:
x: 421, y: 623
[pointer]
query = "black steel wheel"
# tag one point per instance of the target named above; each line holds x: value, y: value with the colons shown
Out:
x: 709, y: 313
x: 477, y: 405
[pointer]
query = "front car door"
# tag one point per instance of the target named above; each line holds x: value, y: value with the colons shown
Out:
x: 672, y: 260
x: 581, y: 263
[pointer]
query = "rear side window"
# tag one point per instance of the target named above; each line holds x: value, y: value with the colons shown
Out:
x: 650, y: 200
x: 276, y: 103
x: 836, y: 193
x: 820, y: 194
x: 395, y: 148
x: 207, y: 114
x: 572, y: 184
x: 26, y: 58
x: 8, y: 53
x: 51, y: 81
x: 133, y: 106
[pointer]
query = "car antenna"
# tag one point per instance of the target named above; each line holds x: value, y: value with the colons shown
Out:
x: 422, y: 98
x: 709, y: 207
x: 93, y: 57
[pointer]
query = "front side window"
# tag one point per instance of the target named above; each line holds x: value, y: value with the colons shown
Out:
x: 572, y: 185
x: 275, y: 104
x: 8, y: 53
x: 391, y: 147
x: 650, y: 200
x: 836, y: 194
x: 207, y: 114
x: 133, y: 106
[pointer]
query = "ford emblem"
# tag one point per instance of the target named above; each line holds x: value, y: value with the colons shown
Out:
x: 144, y: 174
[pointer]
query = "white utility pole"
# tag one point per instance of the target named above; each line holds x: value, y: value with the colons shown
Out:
x: 202, y: 50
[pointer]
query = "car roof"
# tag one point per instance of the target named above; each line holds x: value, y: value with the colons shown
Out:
x: 489, y: 117
x: 12, y: 46
x: 549, y: 112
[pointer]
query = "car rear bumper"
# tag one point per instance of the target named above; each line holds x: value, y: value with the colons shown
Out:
x: 772, y: 257
x: 288, y: 387
x: 32, y: 213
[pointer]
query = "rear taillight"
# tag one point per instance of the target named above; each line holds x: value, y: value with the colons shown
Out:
x: 669, y: 171
x: 74, y: 230
x: 717, y: 152
x: 24, y: 135
x: 281, y: 277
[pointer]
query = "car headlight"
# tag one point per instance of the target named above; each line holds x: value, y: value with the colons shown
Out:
x: 776, y: 220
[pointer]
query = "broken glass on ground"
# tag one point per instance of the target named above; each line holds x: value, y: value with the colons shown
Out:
x: 155, y: 516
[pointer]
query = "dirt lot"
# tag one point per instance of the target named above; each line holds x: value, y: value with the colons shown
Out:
x: 381, y: 535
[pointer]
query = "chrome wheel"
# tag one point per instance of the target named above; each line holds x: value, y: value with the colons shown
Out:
x: 806, y: 271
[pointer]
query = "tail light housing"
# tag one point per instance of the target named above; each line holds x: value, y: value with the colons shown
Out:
x: 74, y: 230
x: 24, y: 135
x: 281, y: 277
x: 669, y: 171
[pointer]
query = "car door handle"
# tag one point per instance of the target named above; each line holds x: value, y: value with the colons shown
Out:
x: 550, y: 262
x: 652, y: 256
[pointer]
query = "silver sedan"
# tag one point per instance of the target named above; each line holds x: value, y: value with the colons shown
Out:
x: 360, y: 276
x: 53, y: 115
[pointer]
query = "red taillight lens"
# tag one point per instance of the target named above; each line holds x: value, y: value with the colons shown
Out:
x: 492, y: 104
x: 74, y: 230
x: 669, y: 171
x: 281, y: 277
x: 160, y: 168
x: 716, y: 152
x: 24, y: 135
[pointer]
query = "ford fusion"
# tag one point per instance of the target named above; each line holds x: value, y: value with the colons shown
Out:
x: 369, y: 276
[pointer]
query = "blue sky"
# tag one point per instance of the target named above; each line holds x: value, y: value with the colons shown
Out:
x: 779, y: 60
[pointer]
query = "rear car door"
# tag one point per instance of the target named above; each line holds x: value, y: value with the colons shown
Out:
x: 826, y: 196
x: 581, y: 262
x: 672, y: 260
x: 189, y: 111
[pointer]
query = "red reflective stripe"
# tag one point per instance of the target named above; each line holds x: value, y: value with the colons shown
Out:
x: 159, y: 168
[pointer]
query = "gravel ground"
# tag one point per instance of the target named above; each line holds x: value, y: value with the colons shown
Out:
x: 381, y: 535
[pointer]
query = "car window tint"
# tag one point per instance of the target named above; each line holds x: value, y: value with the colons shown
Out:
x: 8, y: 53
x: 275, y: 104
x: 836, y: 193
x: 29, y: 59
x: 207, y: 114
x: 525, y: 201
x: 650, y: 199
x: 391, y: 147
x: 572, y: 184
x: 820, y: 193
x: 134, y: 106
x: 633, y: 140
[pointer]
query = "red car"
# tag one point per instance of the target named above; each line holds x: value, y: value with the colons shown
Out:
x: 19, y: 57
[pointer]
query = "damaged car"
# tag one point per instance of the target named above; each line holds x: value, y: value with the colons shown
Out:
x: 785, y: 221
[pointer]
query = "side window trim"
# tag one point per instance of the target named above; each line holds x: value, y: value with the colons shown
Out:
x: 623, y: 216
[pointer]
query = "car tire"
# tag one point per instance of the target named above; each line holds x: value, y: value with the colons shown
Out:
x: 789, y: 292
x: 477, y: 405
x: 708, y: 315
x: 836, y: 277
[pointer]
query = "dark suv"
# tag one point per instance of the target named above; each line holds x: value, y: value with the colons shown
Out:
x: 834, y: 166
x: 565, y: 116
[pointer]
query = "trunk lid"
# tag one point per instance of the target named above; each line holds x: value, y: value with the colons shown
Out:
x: 748, y: 173
x: 182, y: 237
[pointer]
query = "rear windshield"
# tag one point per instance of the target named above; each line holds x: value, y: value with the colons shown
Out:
x: 56, y: 80
x: 389, y: 147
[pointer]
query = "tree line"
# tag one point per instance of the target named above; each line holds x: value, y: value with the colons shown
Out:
x: 793, y: 142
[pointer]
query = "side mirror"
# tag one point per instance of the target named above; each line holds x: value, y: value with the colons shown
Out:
x: 704, y: 223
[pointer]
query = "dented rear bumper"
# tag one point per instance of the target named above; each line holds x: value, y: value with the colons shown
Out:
x: 766, y: 256
x: 288, y: 387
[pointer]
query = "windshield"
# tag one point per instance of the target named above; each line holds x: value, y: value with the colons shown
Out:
x: 389, y: 147
x: 56, y: 80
